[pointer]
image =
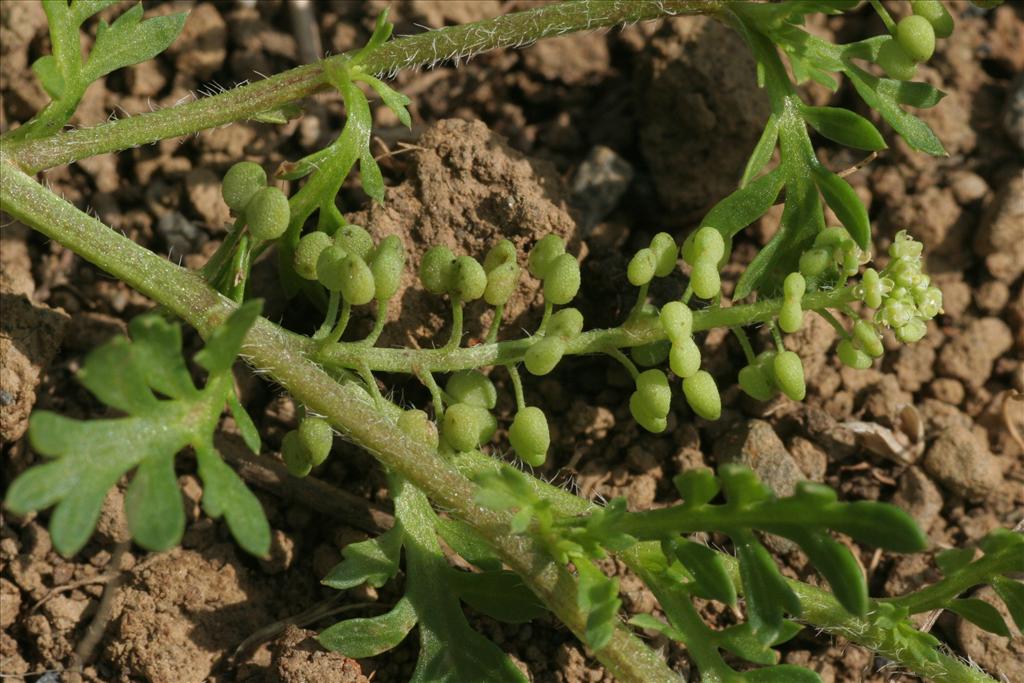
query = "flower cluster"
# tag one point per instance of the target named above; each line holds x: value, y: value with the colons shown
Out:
x: 903, y: 295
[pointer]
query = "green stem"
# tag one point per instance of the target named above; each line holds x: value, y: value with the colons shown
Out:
x: 422, y: 50
x: 330, y: 317
x: 378, y: 324
x: 455, y: 340
x: 626, y: 362
x: 339, y: 328
x: 635, y: 332
x: 492, y: 333
x: 980, y: 571
x: 517, y: 386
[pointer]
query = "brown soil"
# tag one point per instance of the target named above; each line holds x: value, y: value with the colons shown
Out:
x: 604, y: 139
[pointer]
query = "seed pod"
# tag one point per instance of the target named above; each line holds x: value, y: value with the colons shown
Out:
x: 355, y: 240
x: 562, y: 281
x: 308, y: 253
x: 794, y: 286
x: 501, y: 283
x: 418, y: 426
x: 566, y: 323
x: 328, y: 267
x: 473, y: 388
x: 868, y: 339
x: 896, y: 62
x: 652, y: 385
x: 357, y: 285
x: 755, y: 383
x: 529, y: 435
x: 317, y: 437
x: 641, y: 267
x: 791, y: 317
x: 544, y: 252
x: 917, y: 37
x: 542, y: 357
x: 789, y: 375
x: 468, y: 278
x: 465, y: 427
x: 936, y: 14
x: 501, y: 253
x: 267, y: 214
x: 702, y: 394
x: 641, y: 413
x: 852, y: 357
x: 650, y: 355
x: 684, y: 358
x: 436, y: 269
x: 387, y: 265
x: 813, y: 262
x: 705, y: 279
x: 872, y: 288
x: 912, y: 331
x: 676, y: 319
x: 296, y: 459
x: 665, y: 253
x: 241, y: 182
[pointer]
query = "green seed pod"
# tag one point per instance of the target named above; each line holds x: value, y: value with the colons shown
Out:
x: 794, y: 286
x: 296, y: 459
x: 896, y: 62
x: 791, y: 317
x: 641, y: 413
x: 387, y: 265
x: 418, y: 426
x: 472, y: 387
x: 789, y: 375
x: 468, y: 278
x: 650, y: 355
x: 566, y: 323
x: 665, y: 251
x: 562, y: 281
x: 684, y: 358
x: 652, y: 385
x: 936, y: 14
x: 241, y: 182
x: 501, y: 253
x: 831, y: 237
x: 355, y: 240
x: 357, y: 284
x: 437, y: 269
x: 913, y: 331
x: 872, y: 288
x: 529, y: 435
x: 755, y: 383
x: 267, y: 214
x: 852, y: 357
x: 542, y: 255
x: 851, y: 258
x: 813, y: 262
x: 676, y: 319
x: 465, y: 427
x: 542, y: 357
x: 501, y: 283
x: 308, y: 253
x: 641, y: 267
x: 705, y: 279
x: 329, y: 270
x: 917, y: 37
x: 868, y: 339
x: 317, y: 437
x: 702, y: 394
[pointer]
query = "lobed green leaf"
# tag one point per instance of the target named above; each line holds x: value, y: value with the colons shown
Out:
x: 371, y: 636
x: 129, y: 40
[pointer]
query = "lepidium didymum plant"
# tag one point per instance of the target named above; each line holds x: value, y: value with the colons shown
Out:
x: 533, y: 548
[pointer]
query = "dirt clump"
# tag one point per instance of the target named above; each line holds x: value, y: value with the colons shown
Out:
x: 963, y: 464
x: 466, y: 189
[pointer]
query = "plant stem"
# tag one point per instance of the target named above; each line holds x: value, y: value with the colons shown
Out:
x: 347, y: 406
x: 426, y: 49
x: 634, y: 332
x: 939, y: 594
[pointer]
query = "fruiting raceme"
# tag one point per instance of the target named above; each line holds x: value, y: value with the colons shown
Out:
x: 902, y: 293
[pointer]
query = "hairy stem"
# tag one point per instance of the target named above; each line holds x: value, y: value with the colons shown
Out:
x: 422, y: 50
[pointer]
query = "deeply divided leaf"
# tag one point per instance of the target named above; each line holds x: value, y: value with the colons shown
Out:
x: 129, y: 40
